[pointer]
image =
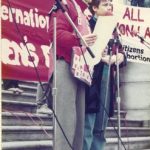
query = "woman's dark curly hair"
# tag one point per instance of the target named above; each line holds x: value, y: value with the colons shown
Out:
x: 94, y: 3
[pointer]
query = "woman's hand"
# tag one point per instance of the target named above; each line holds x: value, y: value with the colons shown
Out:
x: 114, y: 58
x: 106, y: 59
x: 120, y: 58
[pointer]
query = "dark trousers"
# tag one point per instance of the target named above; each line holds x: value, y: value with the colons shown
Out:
x: 139, y: 3
x: 10, y: 84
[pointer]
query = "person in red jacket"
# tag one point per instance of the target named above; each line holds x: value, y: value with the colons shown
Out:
x: 70, y: 98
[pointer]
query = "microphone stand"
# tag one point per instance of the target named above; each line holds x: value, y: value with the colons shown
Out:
x: 110, y: 44
x: 143, y: 41
x: 55, y: 8
x: 59, y: 5
x: 118, y: 95
x: 54, y: 89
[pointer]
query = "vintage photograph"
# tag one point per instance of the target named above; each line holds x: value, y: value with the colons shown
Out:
x: 75, y: 75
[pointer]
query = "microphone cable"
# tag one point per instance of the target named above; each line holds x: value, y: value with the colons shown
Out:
x: 37, y: 74
x: 38, y: 77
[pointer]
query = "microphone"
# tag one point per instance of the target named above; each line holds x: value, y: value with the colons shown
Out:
x: 135, y: 33
x: 110, y: 43
x: 54, y: 8
x: 110, y: 46
x: 117, y: 31
x: 117, y: 39
x: 141, y: 38
x: 57, y: 5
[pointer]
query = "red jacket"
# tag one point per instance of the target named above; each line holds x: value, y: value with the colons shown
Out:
x: 66, y: 37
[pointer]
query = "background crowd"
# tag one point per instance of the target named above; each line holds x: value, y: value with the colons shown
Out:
x: 139, y: 3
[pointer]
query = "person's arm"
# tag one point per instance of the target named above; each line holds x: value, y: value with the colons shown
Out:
x: 121, y: 58
x: 65, y: 37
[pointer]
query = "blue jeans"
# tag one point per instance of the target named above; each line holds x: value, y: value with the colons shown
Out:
x: 139, y: 3
x: 96, y: 123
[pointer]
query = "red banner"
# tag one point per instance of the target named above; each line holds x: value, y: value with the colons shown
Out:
x: 26, y: 21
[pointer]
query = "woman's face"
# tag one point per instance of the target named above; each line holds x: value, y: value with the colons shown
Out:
x: 105, y: 8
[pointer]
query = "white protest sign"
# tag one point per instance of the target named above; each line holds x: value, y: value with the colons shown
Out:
x: 134, y: 19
